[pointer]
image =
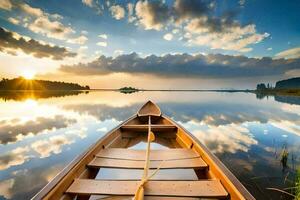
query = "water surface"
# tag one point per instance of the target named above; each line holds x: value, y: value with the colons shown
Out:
x: 41, y: 133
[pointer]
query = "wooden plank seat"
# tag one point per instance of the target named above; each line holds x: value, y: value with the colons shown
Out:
x: 144, y: 128
x: 203, y: 188
x: 194, y: 163
x: 105, y: 197
x: 131, y: 154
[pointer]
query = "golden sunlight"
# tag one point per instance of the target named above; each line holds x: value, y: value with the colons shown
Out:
x: 28, y: 74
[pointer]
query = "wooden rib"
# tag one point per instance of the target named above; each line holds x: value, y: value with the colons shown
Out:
x: 144, y: 128
x: 130, y: 154
x: 206, y: 189
x: 194, y: 163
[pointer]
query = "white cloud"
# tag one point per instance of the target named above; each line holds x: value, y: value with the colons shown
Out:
x: 290, y: 53
x: 15, y: 157
x: 54, y: 145
x: 52, y: 29
x: 49, y: 25
x: 88, y: 2
x: 82, y: 132
x: 5, y: 4
x: 131, y: 17
x: 288, y: 126
x: 230, y: 138
x: 102, y: 44
x: 14, y: 20
x: 37, y: 12
x: 79, y: 40
x: 117, y: 12
x: 168, y: 36
x: 270, y: 49
x: 235, y: 38
x: 103, y: 36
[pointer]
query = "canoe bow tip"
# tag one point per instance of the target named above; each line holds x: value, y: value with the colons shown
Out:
x: 149, y: 109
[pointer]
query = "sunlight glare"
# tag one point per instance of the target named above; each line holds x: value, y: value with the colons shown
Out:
x: 28, y: 74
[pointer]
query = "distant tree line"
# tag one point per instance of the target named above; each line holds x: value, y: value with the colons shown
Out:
x: 289, y: 84
x: 24, y: 84
x: 263, y: 86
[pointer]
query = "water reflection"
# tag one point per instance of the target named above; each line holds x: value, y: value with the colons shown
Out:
x: 281, y: 98
x: 23, y: 95
x: 16, y: 128
x: 246, y: 133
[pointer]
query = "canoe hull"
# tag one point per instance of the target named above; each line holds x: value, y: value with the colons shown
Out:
x: 131, y: 132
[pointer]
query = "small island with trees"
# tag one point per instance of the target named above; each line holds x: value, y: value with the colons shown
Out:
x: 128, y: 90
x: 38, y: 85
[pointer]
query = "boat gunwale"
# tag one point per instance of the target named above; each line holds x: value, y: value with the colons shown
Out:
x: 232, y: 178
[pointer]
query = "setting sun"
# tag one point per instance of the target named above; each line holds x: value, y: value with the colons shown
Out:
x: 28, y: 74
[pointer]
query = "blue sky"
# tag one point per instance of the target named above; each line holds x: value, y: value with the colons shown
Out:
x: 91, y: 28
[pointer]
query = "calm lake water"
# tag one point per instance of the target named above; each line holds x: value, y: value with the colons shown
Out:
x: 40, y: 133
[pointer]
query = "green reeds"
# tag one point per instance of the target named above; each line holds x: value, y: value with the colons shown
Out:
x: 297, y: 185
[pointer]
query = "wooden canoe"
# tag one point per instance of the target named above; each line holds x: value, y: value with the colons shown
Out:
x: 79, y: 179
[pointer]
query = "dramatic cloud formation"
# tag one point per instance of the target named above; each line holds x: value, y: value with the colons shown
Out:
x: 152, y: 15
x: 9, y: 131
x: 212, y: 65
x: 11, y: 42
x: 189, y: 9
x: 202, y: 26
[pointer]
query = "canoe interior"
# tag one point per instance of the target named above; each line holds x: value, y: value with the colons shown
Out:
x: 90, y: 175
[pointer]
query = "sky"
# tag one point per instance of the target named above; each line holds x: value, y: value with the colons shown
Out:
x: 182, y: 44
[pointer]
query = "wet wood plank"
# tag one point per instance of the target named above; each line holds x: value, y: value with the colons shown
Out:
x: 205, y: 189
x: 194, y: 163
x: 130, y: 154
